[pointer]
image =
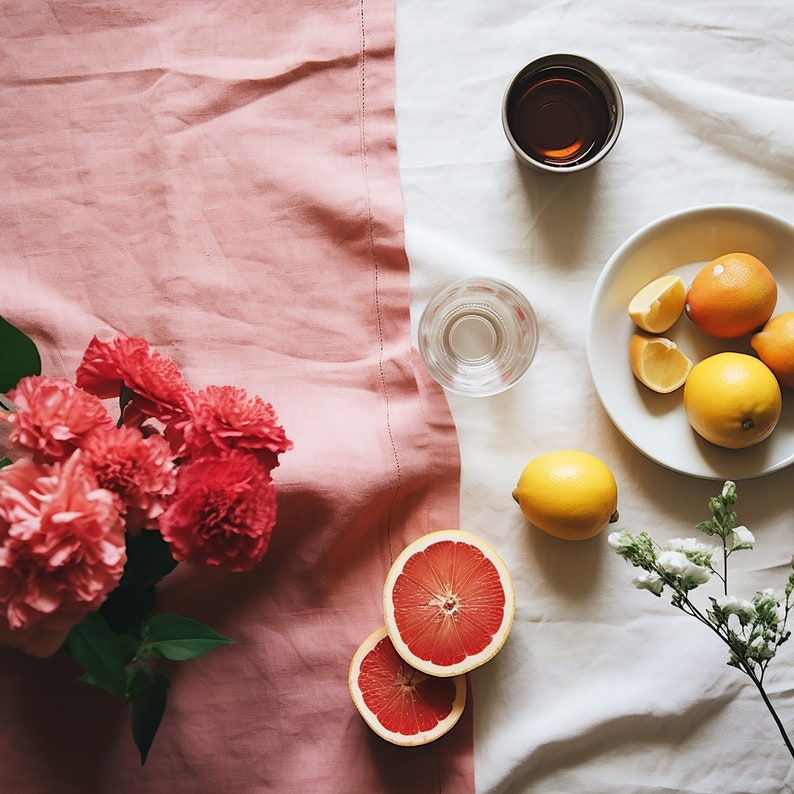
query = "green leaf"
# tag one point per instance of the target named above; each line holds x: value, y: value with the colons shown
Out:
x: 148, y: 697
x: 177, y: 638
x: 5, y: 462
x: 18, y: 356
x: 148, y: 559
x: 101, y: 653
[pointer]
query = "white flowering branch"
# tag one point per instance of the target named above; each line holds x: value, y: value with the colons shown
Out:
x: 753, y: 630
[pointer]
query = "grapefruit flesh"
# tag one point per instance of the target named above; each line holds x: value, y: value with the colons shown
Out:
x: 449, y: 603
x: 401, y: 704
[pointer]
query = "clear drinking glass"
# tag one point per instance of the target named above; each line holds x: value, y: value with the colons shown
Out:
x: 478, y: 336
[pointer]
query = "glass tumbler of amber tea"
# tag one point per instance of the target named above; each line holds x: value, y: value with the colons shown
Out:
x: 562, y: 113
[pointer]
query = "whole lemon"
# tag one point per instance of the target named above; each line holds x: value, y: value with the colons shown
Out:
x: 568, y: 494
x: 732, y: 400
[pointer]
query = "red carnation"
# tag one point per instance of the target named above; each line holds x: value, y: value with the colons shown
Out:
x: 53, y: 418
x: 157, y: 384
x: 223, y: 511
x: 62, y: 550
x: 226, y: 417
x: 137, y: 468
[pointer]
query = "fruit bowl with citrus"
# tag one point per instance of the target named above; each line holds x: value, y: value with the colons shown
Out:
x: 644, y: 342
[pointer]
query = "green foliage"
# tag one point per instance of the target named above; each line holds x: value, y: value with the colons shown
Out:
x: 178, y: 639
x: 18, y: 356
x: 102, y: 654
x: 127, y: 664
x: 148, y: 697
x: 148, y: 559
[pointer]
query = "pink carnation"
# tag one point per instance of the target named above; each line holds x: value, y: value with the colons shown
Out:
x: 62, y: 550
x: 226, y: 417
x: 223, y: 511
x: 137, y: 468
x: 156, y: 383
x: 53, y: 418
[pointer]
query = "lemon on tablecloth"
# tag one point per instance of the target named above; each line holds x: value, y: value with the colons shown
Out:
x: 568, y: 494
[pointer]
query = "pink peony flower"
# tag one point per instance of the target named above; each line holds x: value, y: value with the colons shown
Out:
x: 157, y: 384
x: 137, y: 468
x: 53, y: 418
x: 223, y: 511
x: 226, y: 417
x: 62, y: 550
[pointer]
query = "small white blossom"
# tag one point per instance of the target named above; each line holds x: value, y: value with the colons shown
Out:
x: 728, y: 489
x: 764, y: 647
x: 731, y: 605
x: 678, y: 564
x: 649, y: 581
x: 743, y: 537
x: 620, y: 539
x: 692, y: 546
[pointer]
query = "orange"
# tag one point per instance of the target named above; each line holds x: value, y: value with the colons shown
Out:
x: 732, y: 400
x: 449, y: 603
x: 774, y: 344
x: 399, y: 703
x: 732, y: 296
x: 658, y: 363
x: 569, y: 494
x: 658, y: 305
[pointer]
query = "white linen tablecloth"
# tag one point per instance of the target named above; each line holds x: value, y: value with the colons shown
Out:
x: 601, y: 687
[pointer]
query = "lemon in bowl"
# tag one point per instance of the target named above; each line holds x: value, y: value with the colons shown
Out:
x: 732, y: 400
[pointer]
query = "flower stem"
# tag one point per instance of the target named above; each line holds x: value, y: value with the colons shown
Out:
x: 772, y: 711
x: 744, y: 666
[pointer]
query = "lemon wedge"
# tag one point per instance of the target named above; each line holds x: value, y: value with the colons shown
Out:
x: 658, y: 305
x: 658, y: 363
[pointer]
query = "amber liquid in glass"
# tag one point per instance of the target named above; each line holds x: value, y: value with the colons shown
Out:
x: 559, y: 116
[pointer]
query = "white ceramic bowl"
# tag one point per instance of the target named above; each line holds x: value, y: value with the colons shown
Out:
x: 656, y: 423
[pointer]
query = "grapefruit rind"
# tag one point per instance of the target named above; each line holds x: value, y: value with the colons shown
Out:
x: 434, y: 616
x: 402, y: 687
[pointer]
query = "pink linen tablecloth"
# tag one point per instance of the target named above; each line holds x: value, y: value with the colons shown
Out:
x: 221, y: 179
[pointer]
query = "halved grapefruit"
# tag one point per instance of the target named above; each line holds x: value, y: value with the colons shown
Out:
x: 449, y: 603
x: 401, y: 704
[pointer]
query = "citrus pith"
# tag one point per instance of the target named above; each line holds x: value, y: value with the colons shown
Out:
x: 449, y: 603
x: 401, y: 704
x: 569, y: 494
x: 732, y: 400
x: 733, y: 295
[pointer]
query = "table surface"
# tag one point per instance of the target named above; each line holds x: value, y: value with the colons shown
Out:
x: 601, y: 687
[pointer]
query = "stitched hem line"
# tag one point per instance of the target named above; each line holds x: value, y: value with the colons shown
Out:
x: 376, y: 266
